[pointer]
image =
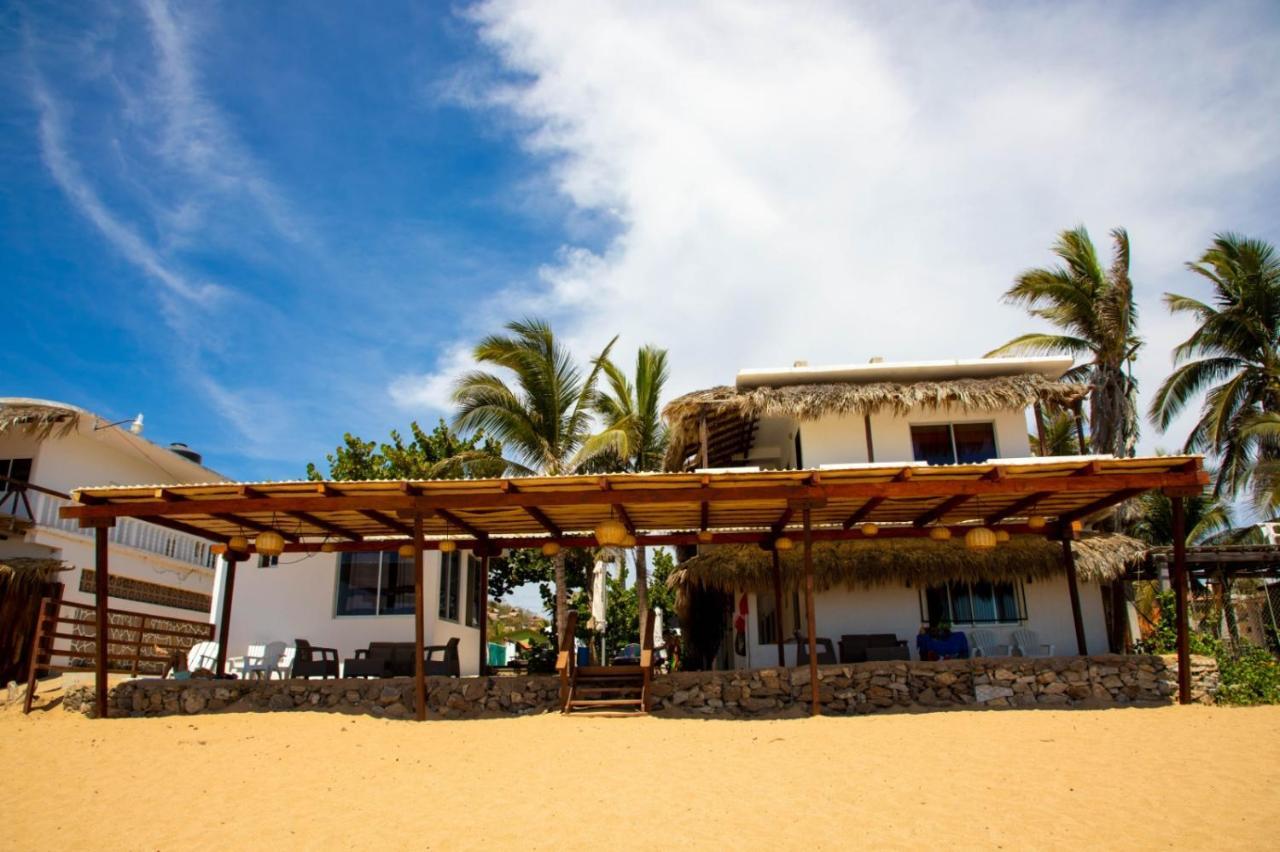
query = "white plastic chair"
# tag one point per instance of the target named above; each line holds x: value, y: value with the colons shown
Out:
x: 982, y: 643
x: 1027, y: 644
x: 284, y: 666
x: 202, y: 655
x: 262, y: 660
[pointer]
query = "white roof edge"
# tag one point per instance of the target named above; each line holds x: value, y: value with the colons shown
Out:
x: 1051, y: 367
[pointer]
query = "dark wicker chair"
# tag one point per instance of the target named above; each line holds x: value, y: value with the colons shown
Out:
x: 826, y: 651
x: 448, y: 663
x: 861, y: 647
x: 374, y: 661
x: 311, y: 661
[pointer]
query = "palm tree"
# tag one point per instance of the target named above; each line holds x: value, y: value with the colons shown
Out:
x: 543, y: 417
x: 1232, y: 354
x: 631, y: 410
x: 1059, y: 436
x: 1265, y: 429
x: 1094, y: 310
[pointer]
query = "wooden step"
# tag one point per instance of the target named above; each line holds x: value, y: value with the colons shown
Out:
x: 604, y: 702
x: 598, y: 692
x: 611, y: 671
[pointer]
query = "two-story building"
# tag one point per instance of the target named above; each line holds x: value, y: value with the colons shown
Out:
x: 917, y: 413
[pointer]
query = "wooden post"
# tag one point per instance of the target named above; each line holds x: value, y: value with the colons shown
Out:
x: 419, y: 629
x: 1078, y: 408
x: 777, y: 608
x: 224, y: 629
x: 871, y: 447
x: 808, y: 606
x: 103, y: 625
x: 1044, y: 447
x: 1180, y: 597
x: 704, y: 454
x: 46, y: 622
x: 484, y: 614
x: 1073, y: 588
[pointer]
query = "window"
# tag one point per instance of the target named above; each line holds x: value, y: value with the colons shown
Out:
x: 450, y: 578
x: 265, y: 561
x: 768, y: 620
x: 475, y: 591
x: 960, y: 602
x: 374, y: 584
x: 16, y: 469
x: 954, y: 443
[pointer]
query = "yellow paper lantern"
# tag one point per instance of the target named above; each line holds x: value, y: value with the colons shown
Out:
x: 610, y: 533
x: 1036, y: 522
x: 269, y: 543
x: 551, y: 548
x: 1076, y: 526
x: 629, y: 541
x: 217, y: 549
x: 405, y: 551
x: 448, y: 546
x: 705, y: 536
x: 783, y: 543
x: 870, y: 529
x: 327, y: 547
x: 238, y: 543
x: 940, y: 534
x: 1002, y: 536
x: 980, y: 538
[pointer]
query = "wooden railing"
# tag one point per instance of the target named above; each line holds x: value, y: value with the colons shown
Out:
x: 137, y: 643
x: 567, y: 659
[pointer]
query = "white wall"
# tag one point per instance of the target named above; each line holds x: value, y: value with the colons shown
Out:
x: 841, y: 439
x: 297, y: 600
x: 896, y: 609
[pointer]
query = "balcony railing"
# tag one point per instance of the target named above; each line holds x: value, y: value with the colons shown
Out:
x: 40, y: 506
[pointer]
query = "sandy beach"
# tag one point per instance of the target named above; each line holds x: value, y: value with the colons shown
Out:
x: 1184, y: 777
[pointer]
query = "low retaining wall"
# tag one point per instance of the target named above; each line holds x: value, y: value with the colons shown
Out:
x: 1104, y: 680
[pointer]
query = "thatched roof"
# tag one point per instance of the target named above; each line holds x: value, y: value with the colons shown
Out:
x: 812, y: 401
x: 24, y: 572
x: 1098, y: 557
x: 38, y: 418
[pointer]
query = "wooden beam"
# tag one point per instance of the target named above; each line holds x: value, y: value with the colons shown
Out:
x: 534, y: 512
x: 704, y: 515
x: 777, y: 610
x: 1017, y: 507
x: 224, y: 626
x: 245, y: 523
x: 781, y: 524
x: 941, y: 509
x: 621, y: 512
x: 871, y: 447
x: 866, y: 509
x: 1099, y: 505
x: 816, y: 706
x: 419, y: 626
x: 483, y: 615
x: 327, y: 526
x: 102, y: 628
x: 1073, y: 591
x: 704, y: 453
x: 1179, y: 579
x: 387, y: 521
x: 453, y: 520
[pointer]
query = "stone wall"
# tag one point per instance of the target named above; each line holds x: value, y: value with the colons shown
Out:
x: 1104, y: 680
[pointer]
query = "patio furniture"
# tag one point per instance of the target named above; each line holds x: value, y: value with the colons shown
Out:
x: 203, y: 655
x: 374, y: 661
x: 952, y: 646
x: 261, y: 660
x: 826, y: 651
x: 284, y: 665
x: 983, y: 644
x: 312, y: 661
x: 1027, y: 644
x: 861, y: 647
x: 447, y: 664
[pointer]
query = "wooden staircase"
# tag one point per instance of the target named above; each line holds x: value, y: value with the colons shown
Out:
x: 611, y: 689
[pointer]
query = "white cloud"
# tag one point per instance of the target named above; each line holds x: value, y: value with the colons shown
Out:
x: 432, y: 391
x: 815, y: 181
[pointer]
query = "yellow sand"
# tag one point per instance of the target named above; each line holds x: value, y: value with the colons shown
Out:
x: 1193, y: 777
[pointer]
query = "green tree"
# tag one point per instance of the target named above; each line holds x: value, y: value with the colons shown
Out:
x: 1059, y: 435
x: 1093, y: 308
x: 543, y: 414
x: 623, y: 607
x: 631, y: 410
x: 1232, y: 355
x: 438, y: 454
x: 1265, y: 429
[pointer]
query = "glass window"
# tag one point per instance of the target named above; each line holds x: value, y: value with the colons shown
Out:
x: 983, y: 602
x: 954, y: 443
x: 975, y: 442
x: 475, y: 592
x: 766, y: 619
x: 450, y: 579
x: 374, y: 584
x: 265, y: 561
x: 932, y: 444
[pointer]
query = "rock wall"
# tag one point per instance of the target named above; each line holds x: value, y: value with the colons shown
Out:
x: 1104, y: 680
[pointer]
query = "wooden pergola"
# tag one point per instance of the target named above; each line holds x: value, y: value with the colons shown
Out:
x: 487, y: 516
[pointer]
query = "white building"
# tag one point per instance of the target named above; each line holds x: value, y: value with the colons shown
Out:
x: 937, y: 412
x: 55, y: 447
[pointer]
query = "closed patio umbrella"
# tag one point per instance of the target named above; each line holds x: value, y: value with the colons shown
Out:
x: 599, y: 603
x: 657, y: 627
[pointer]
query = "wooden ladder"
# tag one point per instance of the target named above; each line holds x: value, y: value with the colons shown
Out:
x: 604, y: 688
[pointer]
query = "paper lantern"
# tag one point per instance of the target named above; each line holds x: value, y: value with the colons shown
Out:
x: 238, y: 543
x: 218, y: 549
x: 269, y: 543
x: 1036, y: 522
x: 940, y: 534
x: 1076, y: 526
x: 551, y: 548
x: 610, y: 533
x: 1002, y: 536
x: 869, y: 530
x: 783, y: 543
x: 629, y: 541
x: 448, y: 546
x: 405, y: 551
x: 705, y: 536
x: 980, y: 538
x: 327, y: 547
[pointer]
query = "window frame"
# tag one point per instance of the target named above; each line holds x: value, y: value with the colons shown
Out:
x: 1019, y: 602
x: 951, y: 433
x: 451, y: 579
x: 383, y: 565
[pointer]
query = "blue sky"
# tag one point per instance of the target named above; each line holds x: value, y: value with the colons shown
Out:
x: 263, y: 225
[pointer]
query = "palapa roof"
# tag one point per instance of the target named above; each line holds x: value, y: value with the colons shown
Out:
x: 731, y: 411
x: 1098, y: 557
x: 38, y: 417
x: 733, y: 507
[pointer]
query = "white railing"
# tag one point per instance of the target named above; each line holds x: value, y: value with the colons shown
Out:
x: 128, y: 532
